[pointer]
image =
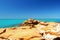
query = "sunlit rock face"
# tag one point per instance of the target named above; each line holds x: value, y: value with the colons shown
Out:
x: 32, y: 30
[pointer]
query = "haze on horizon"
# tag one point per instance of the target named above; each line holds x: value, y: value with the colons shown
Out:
x: 17, y: 9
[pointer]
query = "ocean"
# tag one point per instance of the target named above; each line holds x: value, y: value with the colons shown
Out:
x: 12, y: 22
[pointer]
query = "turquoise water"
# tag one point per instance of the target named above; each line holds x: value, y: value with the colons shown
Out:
x: 50, y: 20
x: 11, y: 22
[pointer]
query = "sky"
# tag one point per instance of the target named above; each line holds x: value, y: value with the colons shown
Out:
x: 17, y: 9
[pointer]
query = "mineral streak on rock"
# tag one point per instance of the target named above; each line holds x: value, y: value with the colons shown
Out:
x: 3, y: 31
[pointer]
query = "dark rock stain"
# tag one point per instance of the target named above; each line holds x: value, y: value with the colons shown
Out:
x: 3, y: 31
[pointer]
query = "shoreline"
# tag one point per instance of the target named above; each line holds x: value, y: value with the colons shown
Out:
x: 5, y: 23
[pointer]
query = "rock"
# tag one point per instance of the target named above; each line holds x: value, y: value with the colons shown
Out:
x: 30, y: 21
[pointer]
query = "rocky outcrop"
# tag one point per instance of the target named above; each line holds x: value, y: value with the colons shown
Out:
x: 32, y: 30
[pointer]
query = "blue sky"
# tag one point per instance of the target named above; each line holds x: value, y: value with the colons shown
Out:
x: 17, y: 9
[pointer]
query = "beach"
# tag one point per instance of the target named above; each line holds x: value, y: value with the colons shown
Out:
x: 32, y: 29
